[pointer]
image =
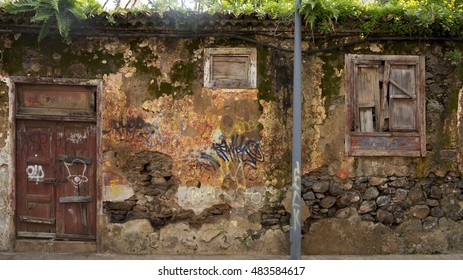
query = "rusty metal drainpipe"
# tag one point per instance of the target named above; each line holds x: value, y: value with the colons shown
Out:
x: 295, y: 230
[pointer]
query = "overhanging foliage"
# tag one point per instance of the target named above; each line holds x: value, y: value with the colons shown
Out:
x: 392, y: 17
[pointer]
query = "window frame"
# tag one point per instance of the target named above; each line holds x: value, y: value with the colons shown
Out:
x: 250, y: 77
x: 400, y: 142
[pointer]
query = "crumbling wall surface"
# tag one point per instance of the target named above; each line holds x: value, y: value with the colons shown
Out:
x: 5, y: 166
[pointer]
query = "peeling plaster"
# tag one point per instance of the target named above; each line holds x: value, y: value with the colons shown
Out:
x: 460, y: 129
x: 199, y: 199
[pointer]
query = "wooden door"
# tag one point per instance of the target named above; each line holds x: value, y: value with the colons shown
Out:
x: 56, y: 179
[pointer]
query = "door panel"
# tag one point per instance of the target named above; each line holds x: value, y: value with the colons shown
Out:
x: 76, y: 157
x: 56, y: 176
x: 35, y: 197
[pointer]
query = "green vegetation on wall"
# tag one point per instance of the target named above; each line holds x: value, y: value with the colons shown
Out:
x: 393, y: 17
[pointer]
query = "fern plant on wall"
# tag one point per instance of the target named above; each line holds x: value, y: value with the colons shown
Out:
x: 48, y: 12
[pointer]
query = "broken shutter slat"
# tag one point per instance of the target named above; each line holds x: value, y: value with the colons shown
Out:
x: 402, y: 101
x: 384, y: 114
x: 368, y: 95
x: 366, y: 120
x: 404, y: 90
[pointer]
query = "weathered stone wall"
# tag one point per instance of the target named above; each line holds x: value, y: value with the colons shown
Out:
x: 5, y: 168
x: 187, y: 169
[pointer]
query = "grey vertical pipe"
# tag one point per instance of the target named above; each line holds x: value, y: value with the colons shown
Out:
x: 295, y: 230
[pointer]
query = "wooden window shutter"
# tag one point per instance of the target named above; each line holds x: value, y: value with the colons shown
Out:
x: 230, y: 68
x: 403, y: 98
x: 385, y: 105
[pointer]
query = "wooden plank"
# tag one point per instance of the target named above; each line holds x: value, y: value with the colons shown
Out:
x: 366, y: 119
x: 386, y: 143
x: 81, y: 119
x: 420, y: 83
x: 76, y: 199
x: 396, y: 59
x: 230, y: 67
x: 68, y: 236
x: 44, y: 198
x: 37, y: 220
x: 29, y: 234
x: 75, y: 159
x: 388, y: 134
x: 348, y: 69
x: 403, y: 115
x: 367, y: 93
x: 384, y: 113
x: 385, y: 153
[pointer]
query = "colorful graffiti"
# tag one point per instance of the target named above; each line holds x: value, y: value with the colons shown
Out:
x: 236, y: 158
x: 239, y: 149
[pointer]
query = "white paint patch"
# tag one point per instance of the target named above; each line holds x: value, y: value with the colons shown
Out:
x: 198, y: 199
x: 73, y: 215
x: 77, y: 138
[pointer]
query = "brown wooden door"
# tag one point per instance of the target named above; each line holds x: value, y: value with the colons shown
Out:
x: 56, y: 179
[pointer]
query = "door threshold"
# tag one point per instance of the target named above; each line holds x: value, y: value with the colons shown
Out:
x: 51, y: 246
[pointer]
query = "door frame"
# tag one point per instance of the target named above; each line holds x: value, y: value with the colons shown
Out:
x: 36, y: 246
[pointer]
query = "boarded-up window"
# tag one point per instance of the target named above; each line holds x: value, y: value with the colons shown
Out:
x: 230, y: 68
x: 385, y: 105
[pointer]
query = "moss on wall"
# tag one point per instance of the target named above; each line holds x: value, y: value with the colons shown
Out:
x: 331, y: 81
x: 264, y: 83
x: 54, y: 58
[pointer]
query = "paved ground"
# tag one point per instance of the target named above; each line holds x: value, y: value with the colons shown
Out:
x: 96, y: 256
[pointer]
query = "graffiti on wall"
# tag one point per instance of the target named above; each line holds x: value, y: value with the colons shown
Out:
x: 235, y: 157
x: 296, y: 198
x: 116, y: 188
x: 151, y: 132
x: 241, y: 127
x: 240, y: 149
